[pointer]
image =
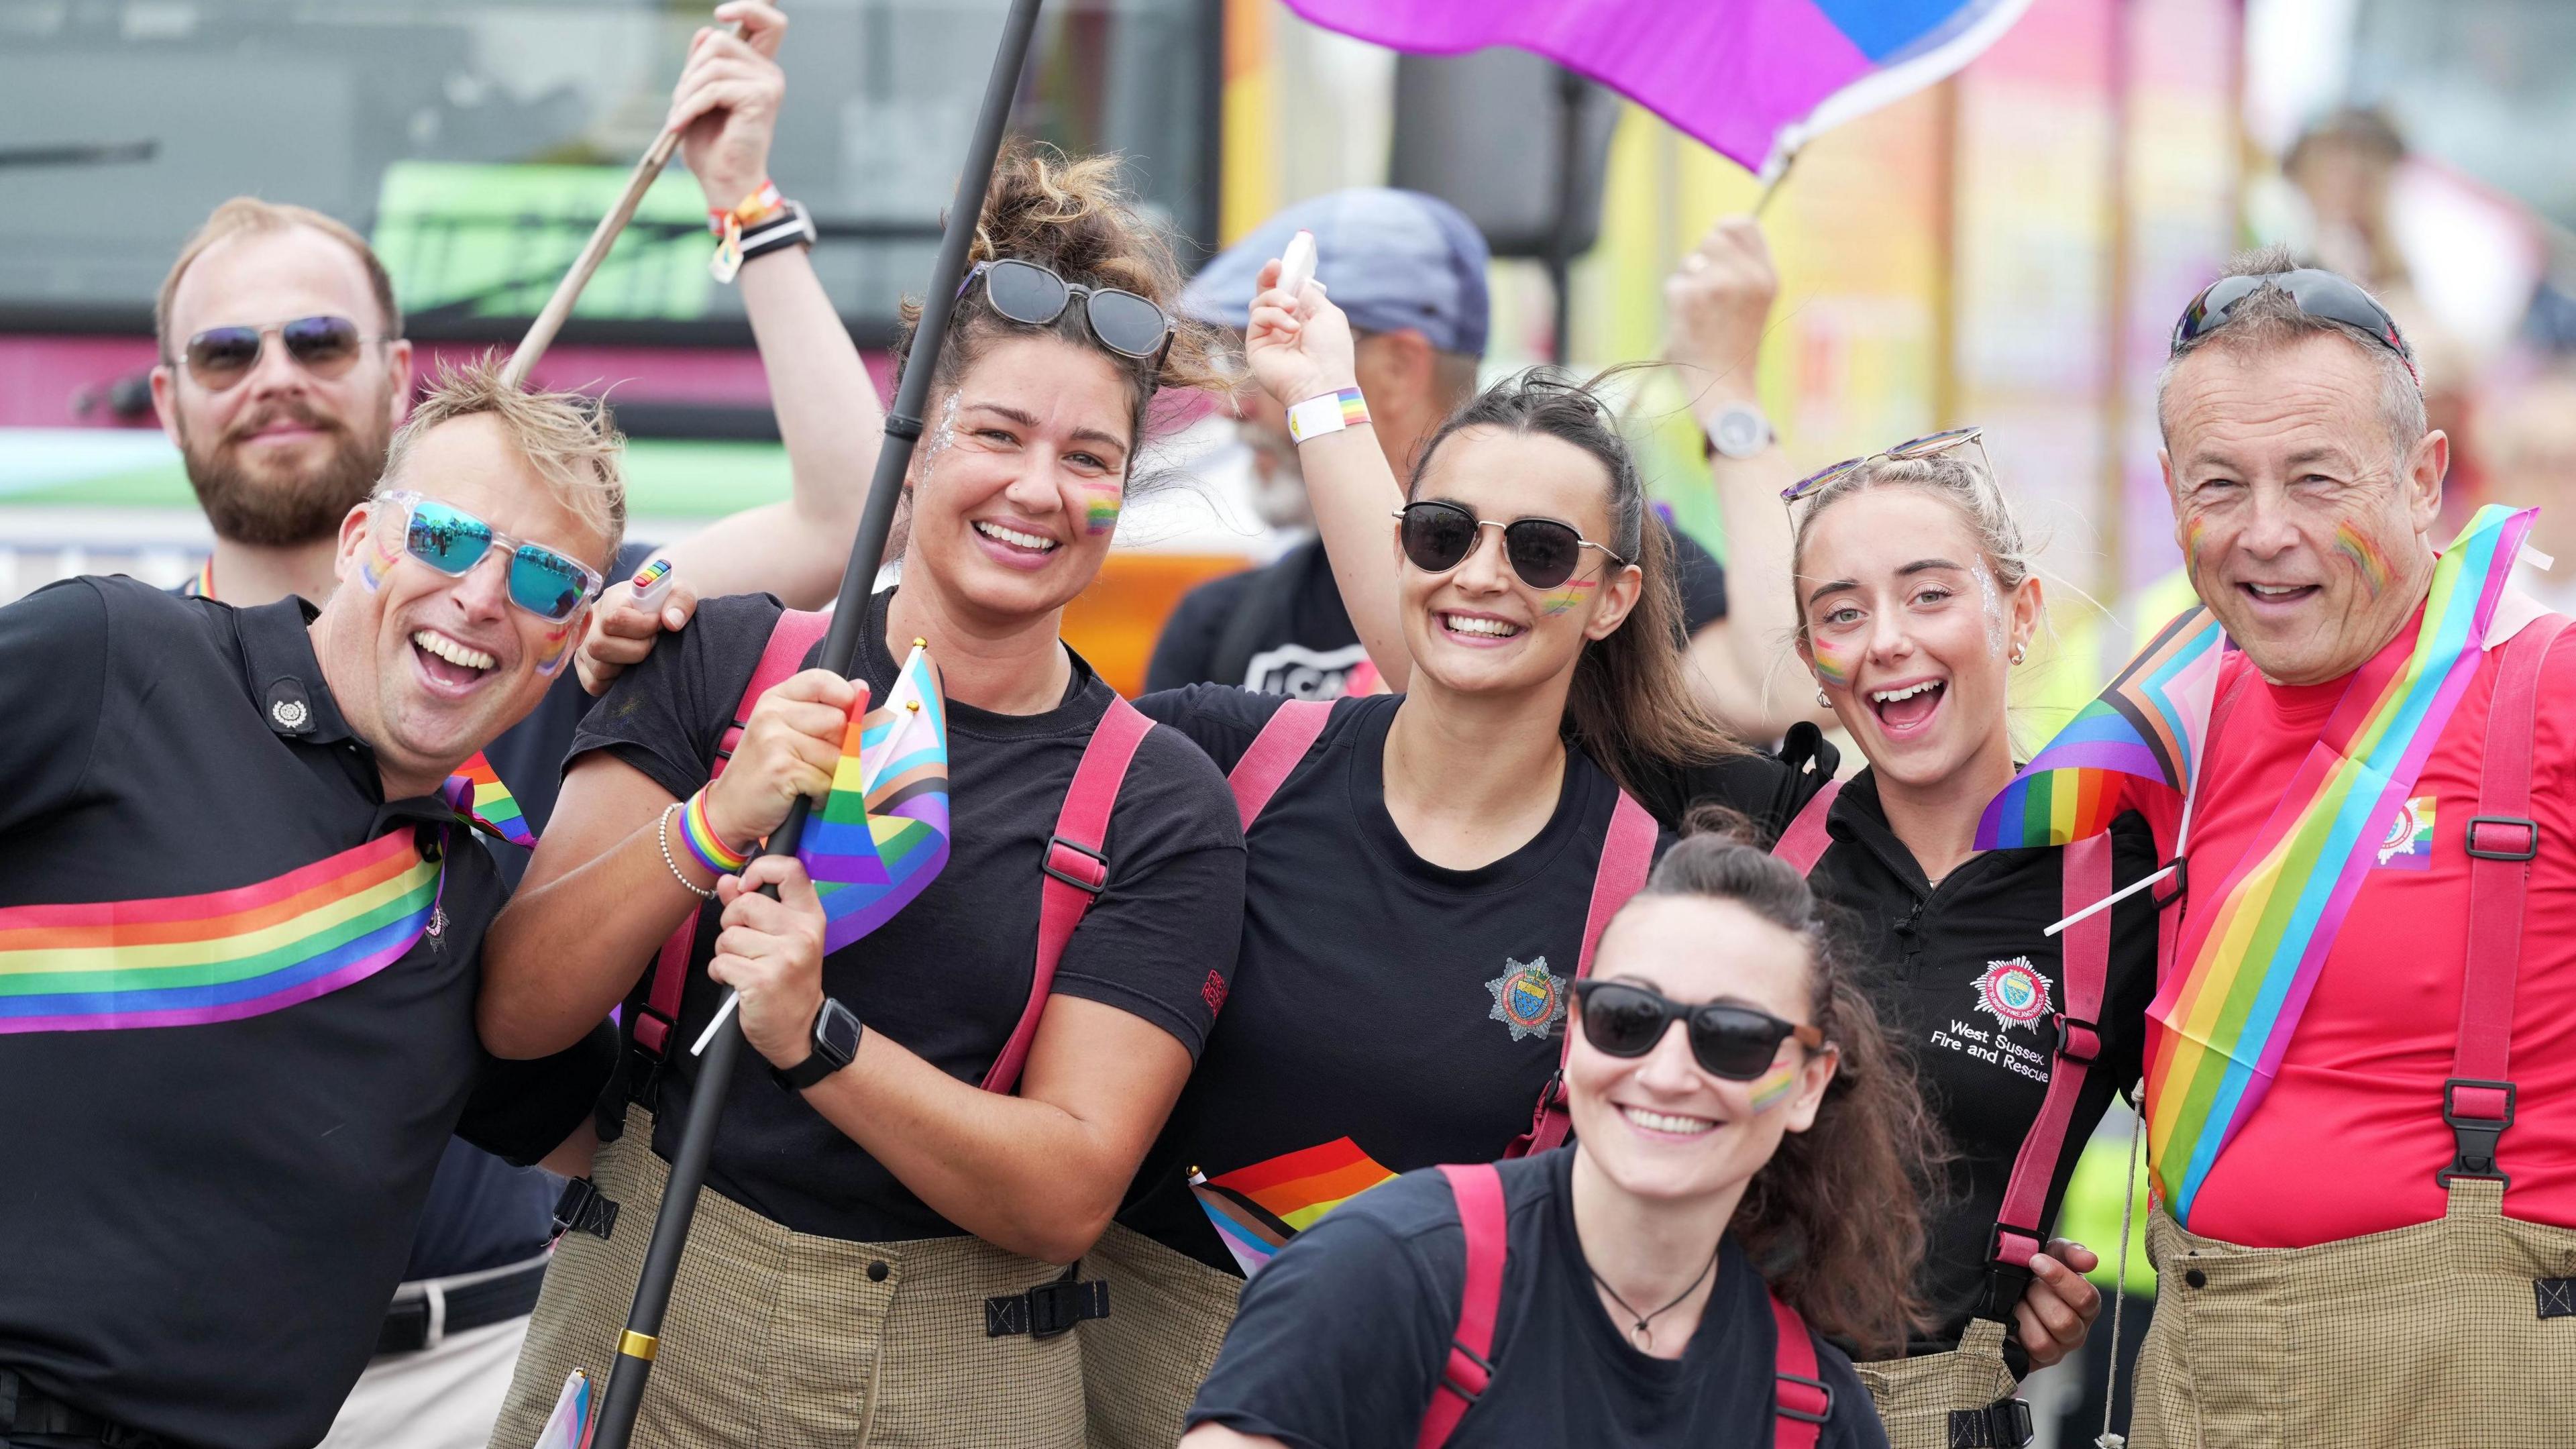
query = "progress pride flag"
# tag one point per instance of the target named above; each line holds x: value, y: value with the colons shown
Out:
x: 1752, y: 78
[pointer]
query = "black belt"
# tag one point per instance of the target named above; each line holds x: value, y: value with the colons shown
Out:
x: 26, y: 1412
x: 480, y: 1304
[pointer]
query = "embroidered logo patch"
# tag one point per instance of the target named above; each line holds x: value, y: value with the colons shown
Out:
x: 2013, y: 992
x: 2408, y: 842
x: 1212, y: 991
x: 1528, y: 999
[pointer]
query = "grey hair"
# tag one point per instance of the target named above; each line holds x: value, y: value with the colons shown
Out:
x: 1959, y: 478
x: 2269, y: 319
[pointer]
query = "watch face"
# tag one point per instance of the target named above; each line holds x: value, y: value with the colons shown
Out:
x: 1740, y: 433
x: 836, y: 1031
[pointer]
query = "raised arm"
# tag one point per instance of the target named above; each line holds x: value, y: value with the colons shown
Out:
x: 1717, y: 305
x: 1300, y: 348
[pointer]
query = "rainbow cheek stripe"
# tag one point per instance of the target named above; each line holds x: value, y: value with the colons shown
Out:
x: 1574, y: 592
x: 558, y: 649
x: 1100, y: 503
x: 222, y: 956
x: 1775, y: 1086
x: 376, y: 563
x: 1832, y: 665
x: 2366, y: 557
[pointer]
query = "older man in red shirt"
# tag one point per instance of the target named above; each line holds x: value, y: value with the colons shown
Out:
x: 2361, y: 1091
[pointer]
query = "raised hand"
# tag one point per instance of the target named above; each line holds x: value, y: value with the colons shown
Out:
x: 1716, y: 304
x: 1299, y: 347
x: 728, y: 99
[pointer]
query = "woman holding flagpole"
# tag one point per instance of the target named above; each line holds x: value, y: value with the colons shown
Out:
x: 882, y: 1254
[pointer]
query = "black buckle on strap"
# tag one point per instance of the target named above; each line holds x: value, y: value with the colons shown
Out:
x: 1824, y: 1394
x: 583, y: 1208
x: 2003, y: 1424
x: 1091, y: 865
x: 2067, y: 1040
x: 1047, y: 1310
x: 2529, y: 848
x: 2474, y: 1138
x: 2180, y: 880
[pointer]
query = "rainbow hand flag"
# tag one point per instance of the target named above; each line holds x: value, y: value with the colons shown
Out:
x: 222, y: 956
x: 2220, y: 1024
x: 1257, y: 1209
x: 476, y: 794
x: 882, y: 834
x: 2150, y: 725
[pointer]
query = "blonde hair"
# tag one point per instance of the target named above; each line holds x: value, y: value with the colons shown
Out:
x: 1958, y: 478
x: 250, y: 216
x: 571, y: 440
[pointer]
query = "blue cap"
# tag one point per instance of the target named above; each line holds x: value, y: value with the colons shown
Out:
x: 1392, y: 259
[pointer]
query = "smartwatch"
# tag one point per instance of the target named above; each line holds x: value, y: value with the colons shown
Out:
x: 1740, y: 432
x: 835, y: 1042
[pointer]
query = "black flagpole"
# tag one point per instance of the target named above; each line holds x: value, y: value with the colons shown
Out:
x: 641, y: 1340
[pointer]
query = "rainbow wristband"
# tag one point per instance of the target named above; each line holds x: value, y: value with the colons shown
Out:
x: 1329, y: 413
x: 702, y: 840
x: 762, y: 203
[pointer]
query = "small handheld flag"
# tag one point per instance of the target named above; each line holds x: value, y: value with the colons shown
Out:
x: 568, y: 1427
x: 475, y: 792
x: 882, y: 834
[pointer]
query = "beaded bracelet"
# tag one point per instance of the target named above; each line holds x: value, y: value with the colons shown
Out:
x: 703, y: 842
x: 662, y: 838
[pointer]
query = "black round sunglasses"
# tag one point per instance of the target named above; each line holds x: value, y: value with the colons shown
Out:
x: 1438, y: 536
x: 1734, y: 1042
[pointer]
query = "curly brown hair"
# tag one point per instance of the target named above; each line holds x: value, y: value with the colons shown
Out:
x: 1075, y: 216
x: 1835, y: 1220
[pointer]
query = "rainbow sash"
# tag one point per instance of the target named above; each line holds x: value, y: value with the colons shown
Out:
x: 188, y: 960
x: 882, y: 834
x: 1257, y: 1209
x: 2253, y: 956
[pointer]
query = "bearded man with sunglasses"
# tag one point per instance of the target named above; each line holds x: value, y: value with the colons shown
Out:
x: 2361, y: 1058
x: 241, y: 916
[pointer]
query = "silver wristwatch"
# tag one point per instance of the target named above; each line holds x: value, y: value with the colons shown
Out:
x: 1740, y: 432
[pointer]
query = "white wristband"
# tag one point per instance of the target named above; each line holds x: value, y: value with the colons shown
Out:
x: 1329, y: 413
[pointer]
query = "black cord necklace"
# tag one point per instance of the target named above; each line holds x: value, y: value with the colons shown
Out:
x: 1645, y: 1334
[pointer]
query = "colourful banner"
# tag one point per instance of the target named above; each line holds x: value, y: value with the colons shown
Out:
x: 882, y: 834
x: 2221, y: 1023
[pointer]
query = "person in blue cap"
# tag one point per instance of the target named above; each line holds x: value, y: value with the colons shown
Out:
x: 1409, y: 271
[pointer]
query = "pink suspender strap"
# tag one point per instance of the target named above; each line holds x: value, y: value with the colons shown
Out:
x: 1804, y: 842
x: 1802, y: 1401
x: 2502, y: 839
x: 790, y: 639
x: 1470, y: 1366
x: 2084, y: 879
x: 1627, y: 852
x: 1283, y: 741
x: 1076, y: 867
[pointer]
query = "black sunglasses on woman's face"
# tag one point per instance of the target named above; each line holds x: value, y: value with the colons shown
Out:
x: 1438, y: 536
x: 1738, y: 1043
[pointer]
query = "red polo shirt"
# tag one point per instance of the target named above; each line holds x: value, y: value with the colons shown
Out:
x: 2348, y: 1139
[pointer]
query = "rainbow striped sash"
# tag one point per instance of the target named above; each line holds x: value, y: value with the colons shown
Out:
x: 478, y: 797
x: 2253, y: 955
x: 882, y: 834
x: 188, y: 960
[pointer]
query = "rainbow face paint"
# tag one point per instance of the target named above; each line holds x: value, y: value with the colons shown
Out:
x: 558, y: 648
x: 1775, y: 1086
x: 2192, y: 534
x: 1833, y: 662
x: 1100, y: 505
x: 1560, y: 600
x: 2366, y: 557
x: 378, y: 561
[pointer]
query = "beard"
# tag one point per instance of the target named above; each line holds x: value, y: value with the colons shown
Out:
x: 281, y: 504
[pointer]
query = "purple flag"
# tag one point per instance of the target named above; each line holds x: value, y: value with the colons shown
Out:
x: 1752, y: 78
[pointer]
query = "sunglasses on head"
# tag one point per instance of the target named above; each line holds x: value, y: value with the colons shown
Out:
x: 1123, y: 322
x: 549, y: 584
x: 1734, y: 1042
x: 2317, y: 292
x: 1930, y: 445
x: 324, y: 346
x: 1438, y: 537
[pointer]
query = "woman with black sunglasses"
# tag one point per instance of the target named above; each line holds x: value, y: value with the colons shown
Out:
x: 880, y: 1258
x: 1428, y: 870
x: 1741, y: 1188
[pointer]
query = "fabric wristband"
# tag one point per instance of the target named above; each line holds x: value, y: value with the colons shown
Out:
x: 761, y: 203
x: 702, y: 840
x: 1329, y: 413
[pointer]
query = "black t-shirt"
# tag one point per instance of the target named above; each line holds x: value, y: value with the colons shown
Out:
x: 949, y: 975
x: 1282, y: 629
x: 1341, y: 1340
x: 1389, y: 1013
x: 1939, y: 963
x: 205, y: 1212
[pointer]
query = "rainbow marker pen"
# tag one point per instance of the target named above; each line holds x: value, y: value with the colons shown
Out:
x: 2365, y: 556
x: 1775, y: 1086
x: 652, y: 584
x: 1574, y: 592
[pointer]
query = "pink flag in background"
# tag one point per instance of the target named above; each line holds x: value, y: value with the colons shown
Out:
x: 1752, y: 78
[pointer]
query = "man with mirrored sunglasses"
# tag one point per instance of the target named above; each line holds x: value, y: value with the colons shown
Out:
x: 2361, y: 1112
x: 241, y: 914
